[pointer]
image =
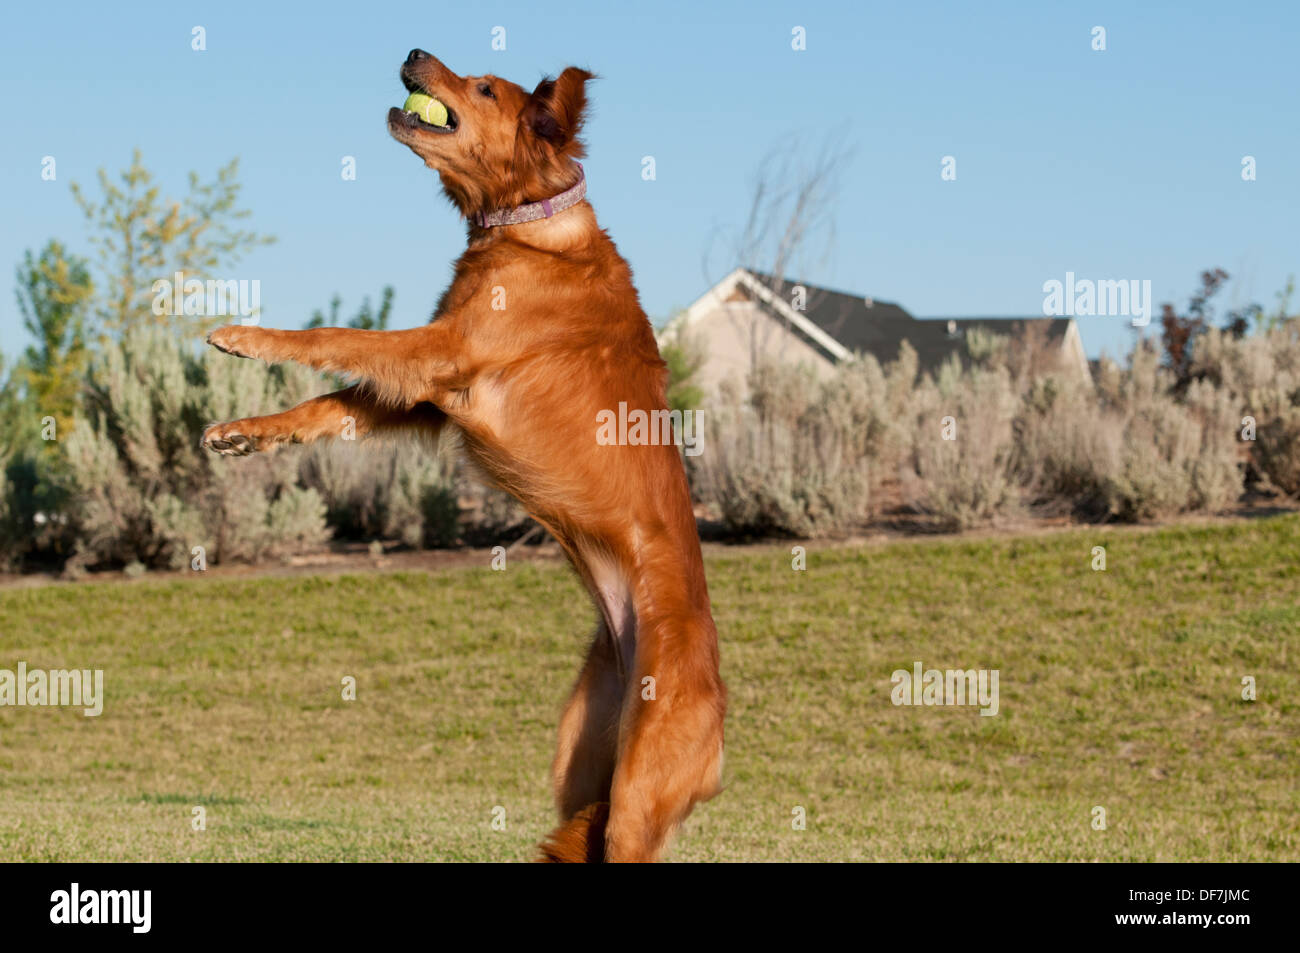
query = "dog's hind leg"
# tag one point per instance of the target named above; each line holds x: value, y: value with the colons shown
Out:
x: 670, y: 736
x: 584, y: 760
x: 352, y: 411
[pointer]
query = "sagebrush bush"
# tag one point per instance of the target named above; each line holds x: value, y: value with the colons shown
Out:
x: 1277, y: 448
x: 1176, y: 455
x: 1067, y: 447
x: 1261, y: 375
x: 795, y: 455
x: 1129, y: 449
x: 965, y: 464
x: 1216, y: 474
x: 386, y: 488
x: 139, y: 487
x: 789, y: 459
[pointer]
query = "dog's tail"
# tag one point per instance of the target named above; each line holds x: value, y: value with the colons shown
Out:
x: 580, y: 839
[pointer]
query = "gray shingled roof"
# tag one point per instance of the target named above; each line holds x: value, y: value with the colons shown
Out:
x: 880, y: 327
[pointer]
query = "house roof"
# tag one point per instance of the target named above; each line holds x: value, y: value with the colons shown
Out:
x: 934, y: 342
x: 880, y: 327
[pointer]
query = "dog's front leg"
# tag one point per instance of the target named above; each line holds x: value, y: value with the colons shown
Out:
x: 347, y: 413
x: 399, y: 365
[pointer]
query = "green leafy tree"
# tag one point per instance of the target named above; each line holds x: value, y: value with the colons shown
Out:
x: 140, y: 236
x: 38, y: 401
x: 54, y: 295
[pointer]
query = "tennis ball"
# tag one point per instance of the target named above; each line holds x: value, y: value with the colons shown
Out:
x: 427, y: 108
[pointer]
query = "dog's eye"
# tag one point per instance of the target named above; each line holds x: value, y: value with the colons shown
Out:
x: 486, y: 90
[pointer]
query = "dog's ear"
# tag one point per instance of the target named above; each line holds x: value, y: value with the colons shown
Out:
x: 556, y: 108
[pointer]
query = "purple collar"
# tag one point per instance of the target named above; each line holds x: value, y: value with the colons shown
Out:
x: 535, y: 210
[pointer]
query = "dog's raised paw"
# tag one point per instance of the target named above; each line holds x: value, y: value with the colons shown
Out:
x: 228, y: 340
x: 228, y: 444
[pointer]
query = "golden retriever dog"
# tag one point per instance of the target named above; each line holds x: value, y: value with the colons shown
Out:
x: 539, y: 333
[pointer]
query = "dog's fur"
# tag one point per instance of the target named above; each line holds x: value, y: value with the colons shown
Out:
x: 523, y: 385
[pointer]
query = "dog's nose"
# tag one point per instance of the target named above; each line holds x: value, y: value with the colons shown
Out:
x: 415, y: 56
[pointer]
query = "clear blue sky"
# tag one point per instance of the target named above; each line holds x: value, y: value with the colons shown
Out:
x: 1117, y: 164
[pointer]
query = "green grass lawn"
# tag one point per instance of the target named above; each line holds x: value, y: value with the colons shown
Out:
x: 1119, y: 689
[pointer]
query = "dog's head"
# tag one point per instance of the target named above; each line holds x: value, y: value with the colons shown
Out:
x: 501, y: 146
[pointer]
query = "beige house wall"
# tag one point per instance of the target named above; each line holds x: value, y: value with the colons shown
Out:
x: 731, y: 332
x: 1075, y: 357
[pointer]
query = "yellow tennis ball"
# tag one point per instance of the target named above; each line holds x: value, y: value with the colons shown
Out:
x: 427, y: 108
